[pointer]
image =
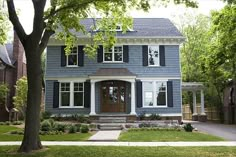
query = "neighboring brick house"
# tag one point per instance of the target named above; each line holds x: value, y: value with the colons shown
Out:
x: 12, y: 67
x: 140, y: 74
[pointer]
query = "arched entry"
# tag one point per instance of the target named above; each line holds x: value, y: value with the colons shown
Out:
x: 113, y: 96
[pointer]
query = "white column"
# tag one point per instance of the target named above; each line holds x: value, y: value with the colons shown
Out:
x: 194, y: 103
x: 92, y: 97
x: 202, y: 103
x: 133, y: 98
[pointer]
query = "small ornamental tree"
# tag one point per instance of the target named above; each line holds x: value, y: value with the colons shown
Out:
x: 20, y: 99
x: 3, y: 93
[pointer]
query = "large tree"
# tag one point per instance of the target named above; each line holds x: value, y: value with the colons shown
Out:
x: 60, y: 18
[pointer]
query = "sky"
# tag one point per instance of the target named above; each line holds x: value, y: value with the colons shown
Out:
x: 205, y: 6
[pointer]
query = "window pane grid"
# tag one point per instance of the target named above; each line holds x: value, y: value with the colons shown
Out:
x: 115, y: 54
x: 153, y: 55
x: 72, y: 58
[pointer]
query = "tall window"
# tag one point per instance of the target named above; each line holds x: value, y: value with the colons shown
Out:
x: 65, y: 94
x: 114, y: 54
x: 71, y: 94
x: 72, y: 58
x: 155, y: 94
x: 78, y: 94
x: 153, y: 55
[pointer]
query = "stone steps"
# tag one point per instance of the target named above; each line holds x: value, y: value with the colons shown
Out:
x: 110, y: 127
x: 110, y: 119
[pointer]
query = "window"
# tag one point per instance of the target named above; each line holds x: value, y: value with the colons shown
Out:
x: 65, y: 94
x: 78, y: 94
x: 72, y: 58
x: 114, y: 54
x: 153, y: 55
x: 155, y: 94
x: 71, y: 94
x: 118, y: 28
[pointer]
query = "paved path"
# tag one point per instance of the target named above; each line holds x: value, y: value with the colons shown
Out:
x: 106, y: 136
x: 228, y: 132
x: 139, y: 144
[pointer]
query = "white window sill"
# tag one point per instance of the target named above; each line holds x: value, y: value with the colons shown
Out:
x: 154, y: 66
x: 71, y: 107
x: 155, y: 107
x: 72, y: 66
x: 110, y: 62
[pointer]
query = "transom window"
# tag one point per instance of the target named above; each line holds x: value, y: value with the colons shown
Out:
x: 153, y: 55
x: 71, y: 94
x: 155, y: 94
x: 114, y: 54
x: 72, y: 58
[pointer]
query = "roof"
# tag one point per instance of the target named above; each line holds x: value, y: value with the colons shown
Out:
x: 113, y: 72
x: 4, y: 56
x: 143, y: 27
x: 192, y: 86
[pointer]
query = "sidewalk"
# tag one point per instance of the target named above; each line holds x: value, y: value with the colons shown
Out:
x: 140, y: 144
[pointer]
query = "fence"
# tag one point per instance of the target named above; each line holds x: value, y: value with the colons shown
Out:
x: 211, y: 112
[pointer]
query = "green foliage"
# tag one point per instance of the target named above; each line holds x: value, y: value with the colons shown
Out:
x: 188, y: 127
x: 60, y: 127
x: 72, y: 129
x: 84, y: 128
x: 20, y: 99
x: 3, y: 93
x: 46, y: 115
x: 17, y: 123
x: 4, y: 27
x: 46, y: 125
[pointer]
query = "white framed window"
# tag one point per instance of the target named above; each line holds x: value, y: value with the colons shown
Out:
x: 71, y: 94
x: 118, y: 27
x: 72, y: 58
x: 154, y: 94
x: 153, y: 55
x: 114, y: 54
x: 65, y: 94
x: 78, y: 94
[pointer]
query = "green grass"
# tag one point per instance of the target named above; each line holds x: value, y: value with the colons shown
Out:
x: 166, y: 136
x: 107, y: 151
x: 5, y: 136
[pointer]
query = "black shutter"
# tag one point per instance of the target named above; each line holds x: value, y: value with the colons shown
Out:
x: 100, y: 54
x: 126, y: 53
x: 63, y: 56
x: 139, y: 94
x: 80, y: 56
x: 87, y: 94
x: 56, y: 95
x: 170, y: 94
x: 162, y: 55
x: 145, y: 55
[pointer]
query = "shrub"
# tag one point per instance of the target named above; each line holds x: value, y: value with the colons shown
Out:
x: 52, y: 123
x: 7, y: 123
x: 46, y: 125
x: 17, y: 123
x: 15, y: 132
x: 144, y: 125
x: 60, y: 127
x: 46, y: 115
x: 2, y: 123
x: 93, y: 127
x: 188, y: 127
x: 78, y: 127
x: 142, y: 116
x: 155, y: 117
x: 72, y: 129
x: 84, y: 128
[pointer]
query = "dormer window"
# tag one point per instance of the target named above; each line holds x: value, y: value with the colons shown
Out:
x: 118, y: 28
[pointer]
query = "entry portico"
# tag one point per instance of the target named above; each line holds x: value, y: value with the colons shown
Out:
x: 113, y: 90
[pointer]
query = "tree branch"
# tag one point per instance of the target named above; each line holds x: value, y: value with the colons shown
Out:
x: 15, y: 22
x: 44, y: 40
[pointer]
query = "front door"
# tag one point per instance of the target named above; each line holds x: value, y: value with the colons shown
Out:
x: 113, y: 96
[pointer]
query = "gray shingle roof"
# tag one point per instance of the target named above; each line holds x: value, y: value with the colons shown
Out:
x: 144, y: 27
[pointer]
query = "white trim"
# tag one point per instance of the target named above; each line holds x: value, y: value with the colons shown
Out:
x: 67, y: 79
x: 167, y: 114
x: 71, y: 103
x: 158, y: 65
x: 158, y: 78
x: 113, y: 55
x: 104, y: 78
x: 154, y: 94
x: 77, y: 61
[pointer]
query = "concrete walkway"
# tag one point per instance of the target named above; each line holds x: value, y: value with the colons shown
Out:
x: 136, y: 144
x: 227, y: 132
x: 112, y: 135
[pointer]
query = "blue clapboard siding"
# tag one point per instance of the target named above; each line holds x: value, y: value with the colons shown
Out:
x: 135, y: 64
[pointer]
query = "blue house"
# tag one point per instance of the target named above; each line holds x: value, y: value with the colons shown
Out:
x: 141, y: 74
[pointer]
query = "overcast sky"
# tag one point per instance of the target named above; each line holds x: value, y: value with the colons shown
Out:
x: 205, y: 6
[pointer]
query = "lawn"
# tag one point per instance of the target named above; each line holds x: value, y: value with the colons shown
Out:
x: 108, y: 151
x: 166, y: 136
x: 5, y: 136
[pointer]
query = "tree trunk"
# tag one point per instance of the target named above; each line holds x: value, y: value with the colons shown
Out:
x: 31, y: 140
